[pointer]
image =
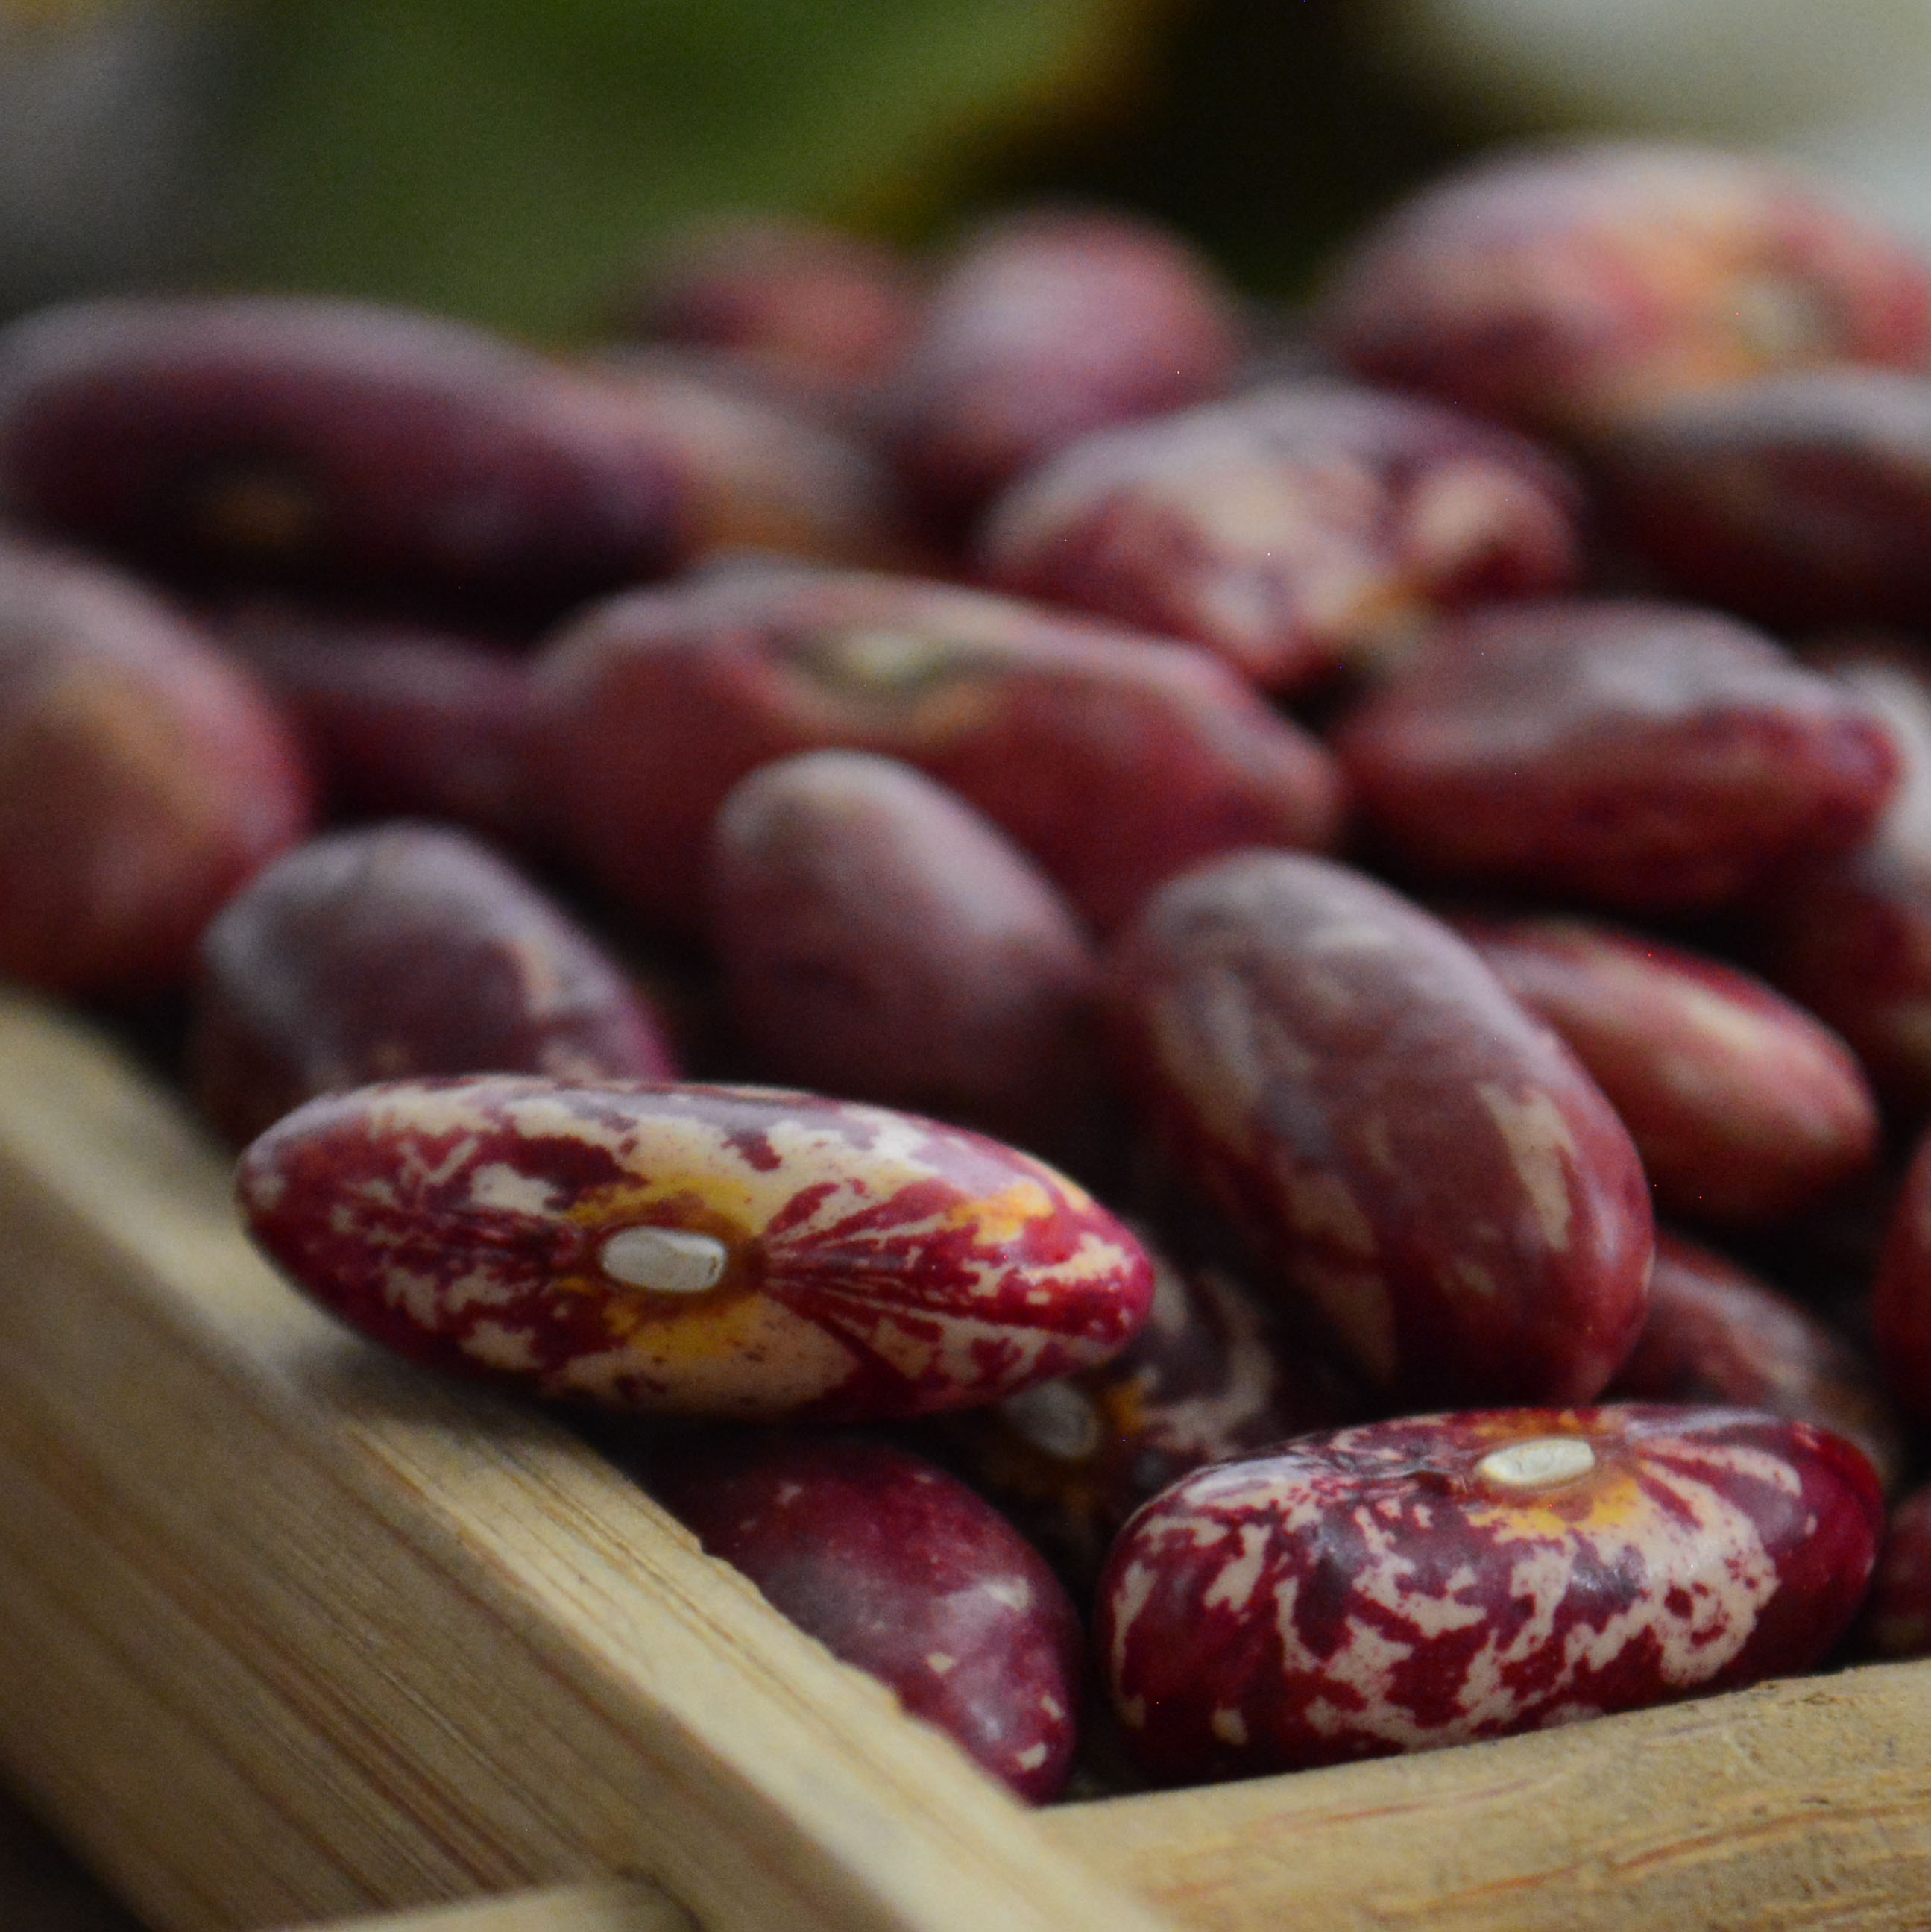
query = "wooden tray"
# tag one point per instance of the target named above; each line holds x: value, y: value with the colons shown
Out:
x: 289, y: 1633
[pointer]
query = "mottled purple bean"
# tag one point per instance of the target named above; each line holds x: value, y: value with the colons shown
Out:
x: 731, y: 1252
x: 1422, y: 1164
x: 898, y: 1568
x: 1409, y: 1584
x: 397, y: 952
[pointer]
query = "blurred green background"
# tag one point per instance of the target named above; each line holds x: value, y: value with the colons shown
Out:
x: 504, y: 159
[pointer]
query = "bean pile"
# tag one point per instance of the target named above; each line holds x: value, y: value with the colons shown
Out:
x: 1054, y: 943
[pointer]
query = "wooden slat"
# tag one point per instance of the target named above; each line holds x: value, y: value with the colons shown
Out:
x: 615, y: 1906
x: 1800, y: 1805
x: 288, y: 1632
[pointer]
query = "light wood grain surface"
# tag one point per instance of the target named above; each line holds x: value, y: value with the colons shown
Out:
x: 292, y: 1632
x: 613, y: 1905
x: 1805, y: 1804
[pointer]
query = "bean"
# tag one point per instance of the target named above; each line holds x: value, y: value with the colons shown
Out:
x: 1744, y: 1109
x: 705, y: 1251
x: 1424, y: 1167
x: 1562, y: 288
x: 143, y: 777
x: 1408, y: 1585
x: 899, y: 1569
x: 1641, y: 757
x: 1113, y: 759
x: 401, y: 950
x: 879, y: 938
x: 1717, y: 1334
x: 1046, y: 325
x: 1293, y: 529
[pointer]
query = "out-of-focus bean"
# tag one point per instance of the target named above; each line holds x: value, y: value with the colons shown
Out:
x: 814, y: 305
x: 1044, y: 326
x: 1800, y: 499
x: 1113, y: 759
x: 1642, y: 757
x: 1564, y: 288
x: 1291, y: 529
x: 1850, y: 936
x: 901, y: 1570
x: 395, y: 952
x: 351, y: 449
x: 401, y: 722
x: 1744, y: 1109
x: 143, y: 777
x: 1716, y: 1334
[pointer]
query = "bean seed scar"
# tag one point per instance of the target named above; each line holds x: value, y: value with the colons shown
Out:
x: 669, y: 1260
x: 1540, y: 1463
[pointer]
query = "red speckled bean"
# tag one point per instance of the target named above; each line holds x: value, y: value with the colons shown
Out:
x: 1291, y: 529
x: 1215, y: 1373
x: 1900, y: 1310
x: 757, y: 469
x: 1413, y: 1584
x: 1645, y: 757
x: 1717, y: 1334
x: 815, y: 306
x: 1744, y: 1109
x: 708, y: 1251
x: 1800, y: 500
x: 1113, y: 759
x: 402, y: 722
x: 1896, y: 1617
x: 1562, y: 288
x: 1422, y: 1163
x: 143, y: 777
x: 899, y: 1569
x: 882, y: 940
x: 1850, y: 936
x: 1048, y: 325
x: 401, y: 950
x: 331, y: 443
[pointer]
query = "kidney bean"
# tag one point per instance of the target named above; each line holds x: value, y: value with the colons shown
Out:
x: 1797, y: 500
x: 1716, y: 1334
x: 400, y: 721
x: 899, y: 1569
x: 1850, y: 936
x: 706, y: 1251
x: 757, y: 469
x: 1291, y: 529
x: 1214, y: 1373
x: 1422, y: 1164
x: 401, y: 950
x: 816, y: 306
x: 1045, y: 325
x: 1896, y: 1621
x: 1565, y: 287
x: 1647, y: 757
x: 1744, y: 1109
x: 881, y: 939
x: 1407, y: 1584
x: 352, y: 449
x: 1900, y: 1308
x: 1112, y: 759
x: 143, y: 777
